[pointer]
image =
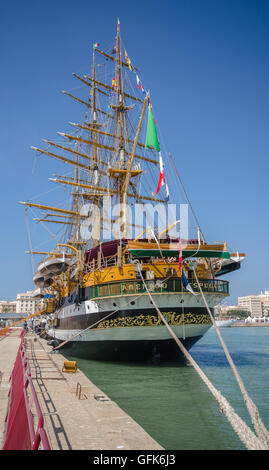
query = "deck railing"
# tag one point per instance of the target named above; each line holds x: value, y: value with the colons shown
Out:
x: 23, y: 432
x: 157, y: 286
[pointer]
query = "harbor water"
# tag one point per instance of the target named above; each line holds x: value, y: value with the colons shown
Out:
x: 171, y: 402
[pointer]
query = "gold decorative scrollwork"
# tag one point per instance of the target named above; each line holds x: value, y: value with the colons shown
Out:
x: 172, y: 318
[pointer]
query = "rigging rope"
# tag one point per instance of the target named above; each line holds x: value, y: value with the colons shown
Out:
x: 246, y: 435
x: 186, y: 195
x: 29, y: 239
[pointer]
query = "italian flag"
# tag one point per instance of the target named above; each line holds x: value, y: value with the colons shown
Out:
x: 179, y: 256
x: 161, y: 175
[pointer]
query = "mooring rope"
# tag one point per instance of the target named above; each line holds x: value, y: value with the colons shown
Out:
x: 246, y: 435
x: 260, y: 429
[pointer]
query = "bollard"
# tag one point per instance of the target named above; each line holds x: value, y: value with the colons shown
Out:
x: 69, y: 366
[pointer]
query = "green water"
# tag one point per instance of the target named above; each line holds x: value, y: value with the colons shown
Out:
x: 171, y: 402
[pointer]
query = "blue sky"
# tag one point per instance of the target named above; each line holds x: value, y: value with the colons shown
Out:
x: 206, y: 64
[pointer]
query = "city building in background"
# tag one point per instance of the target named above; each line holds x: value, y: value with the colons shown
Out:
x: 252, y: 303
x: 265, y: 302
x: 252, y: 307
x: 7, y: 306
x: 16, y: 310
x: 27, y: 304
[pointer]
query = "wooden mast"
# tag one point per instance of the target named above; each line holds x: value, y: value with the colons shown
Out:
x: 125, y: 184
x: 118, y: 148
x: 120, y: 109
x: 119, y: 91
x: 95, y: 125
x: 74, y: 233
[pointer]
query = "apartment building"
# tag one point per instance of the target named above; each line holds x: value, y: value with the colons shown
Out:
x: 27, y: 304
x: 264, y: 296
x: 252, y: 303
x: 7, y: 306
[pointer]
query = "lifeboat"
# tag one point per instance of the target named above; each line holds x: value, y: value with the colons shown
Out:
x: 49, y: 268
x: 48, y: 280
x: 225, y: 266
x: 38, y: 279
x: 53, y: 265
x: 41, y: 280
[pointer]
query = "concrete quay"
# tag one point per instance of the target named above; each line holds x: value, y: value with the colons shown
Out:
x: 77, y: 414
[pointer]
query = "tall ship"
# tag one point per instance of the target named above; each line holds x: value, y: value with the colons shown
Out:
x: 110, y: 249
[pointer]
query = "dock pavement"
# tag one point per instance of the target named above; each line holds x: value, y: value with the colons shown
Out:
x: 77, y: 414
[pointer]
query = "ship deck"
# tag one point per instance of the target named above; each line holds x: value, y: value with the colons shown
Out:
x: 77, y: 417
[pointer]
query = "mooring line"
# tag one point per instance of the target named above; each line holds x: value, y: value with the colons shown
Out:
x: 246, y: 435
x: 261, y: 430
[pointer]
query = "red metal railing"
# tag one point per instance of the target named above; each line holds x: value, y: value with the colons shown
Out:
x: 22, y: 433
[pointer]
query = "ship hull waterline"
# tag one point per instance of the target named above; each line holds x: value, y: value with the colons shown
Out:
x: 126, y: 351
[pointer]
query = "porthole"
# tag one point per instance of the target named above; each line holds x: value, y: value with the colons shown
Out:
x: 133, y: 302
